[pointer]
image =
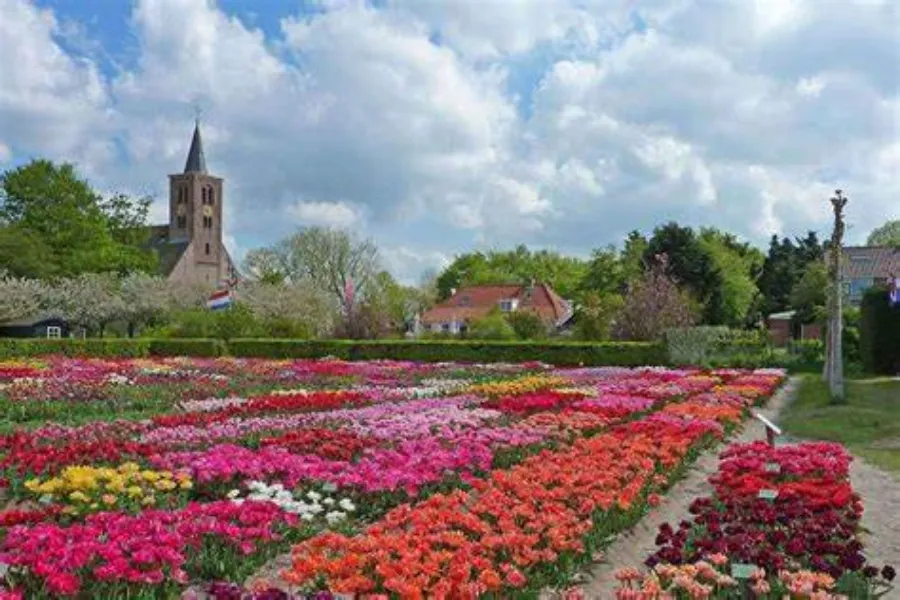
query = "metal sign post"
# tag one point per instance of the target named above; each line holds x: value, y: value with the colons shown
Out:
x: 772, y: 430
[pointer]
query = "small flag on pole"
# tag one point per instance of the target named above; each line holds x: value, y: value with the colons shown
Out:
x: 219, y: 299
x: 895, y: 291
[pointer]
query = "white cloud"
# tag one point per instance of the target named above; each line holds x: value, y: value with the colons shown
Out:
x: 439, y: 126
x: 51, y: 103
x: 327, y: 214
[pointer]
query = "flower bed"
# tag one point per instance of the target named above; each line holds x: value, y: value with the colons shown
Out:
x: 782, y: 522
x: 389, y: 476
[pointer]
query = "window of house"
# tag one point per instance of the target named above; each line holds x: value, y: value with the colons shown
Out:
x: 506, y: 305
x: 465, y: 301
x: 54, y: 332
x: 207, y: 248
x: 445, y: 327
x: 463, y: 328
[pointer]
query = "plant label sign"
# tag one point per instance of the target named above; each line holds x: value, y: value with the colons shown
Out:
x: 772, y: 429
x: 768, y: 494
x: 742, y: 570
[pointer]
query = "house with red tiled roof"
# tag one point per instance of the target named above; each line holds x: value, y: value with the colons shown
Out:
x: 866, y: 266
x: 469, y: 304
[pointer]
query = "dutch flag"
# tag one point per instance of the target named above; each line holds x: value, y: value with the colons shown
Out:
x: 219, y: 299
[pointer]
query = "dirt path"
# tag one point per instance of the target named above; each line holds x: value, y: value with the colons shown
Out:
x: 880, y: 494
x: 631, y: 548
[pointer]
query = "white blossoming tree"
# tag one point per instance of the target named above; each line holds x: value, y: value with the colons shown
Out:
x: 145, y: 299
x: 90, y: 301
x: 19, y: 297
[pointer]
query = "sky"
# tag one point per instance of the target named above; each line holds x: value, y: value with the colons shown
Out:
x: 438, y: 127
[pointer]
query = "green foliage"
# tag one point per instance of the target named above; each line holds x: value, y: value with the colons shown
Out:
x: 79, y: 232
x: 739, y: 265
x: 810, y: 294
x: 886, y: 235
x: 23, y: 253
x: 605, y: 273
x: 493, y: 326
x: 619, y: 354
x: 518, y: 266
x: 879, y: 333
x: 527, y: 325
x: 784, y: 266
x: 691, y: 266
x: 595, y: 316
x: 809, y: 351
x: 694, y: 345
x: 236, y: 321
x: 186, y: 347
x: 114, y: 348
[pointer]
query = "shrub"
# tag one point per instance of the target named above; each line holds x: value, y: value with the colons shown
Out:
x: 187, y: 347
x: 569, y: 353
x: 694, y: 345
x: 527, y: 325
x: 879, y: 333
x: 23, y: 347
x: 493, y: 326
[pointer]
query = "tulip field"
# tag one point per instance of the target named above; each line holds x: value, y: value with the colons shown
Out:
x: 171, y: 478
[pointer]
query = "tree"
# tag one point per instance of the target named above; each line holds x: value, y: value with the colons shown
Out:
x: 19, y: 297
x: 810, y: 294
x: 90, y: 301
x: 689, y: 263
x: 25, y: 254
x: 518, y: 266
x: 654, y: 304
x: 886, y: 235
x: 596, y: 315
x: 81, y: 232
x: 527, y: 325
x: 633, y: 256
x: 492, y: 326
x: 784, y: 266
x: 265, y: 266
x: 298, y: 308
x: 739, y: 266
x: 333, y: 261
x: 605, y: 273
x: 144, y: 300
x: 834, y: 357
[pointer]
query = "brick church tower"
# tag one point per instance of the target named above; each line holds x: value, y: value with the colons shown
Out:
x: 190, y: 247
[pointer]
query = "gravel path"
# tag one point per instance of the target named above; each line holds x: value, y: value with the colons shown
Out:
x: 880, y: 492
x: 631, y: 548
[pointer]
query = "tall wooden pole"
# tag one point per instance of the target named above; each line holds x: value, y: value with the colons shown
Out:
x: 834, y: 358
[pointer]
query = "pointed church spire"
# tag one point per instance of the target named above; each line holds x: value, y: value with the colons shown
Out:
x: 196, y: 161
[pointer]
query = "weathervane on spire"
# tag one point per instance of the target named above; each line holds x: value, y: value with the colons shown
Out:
x: 198, y: 112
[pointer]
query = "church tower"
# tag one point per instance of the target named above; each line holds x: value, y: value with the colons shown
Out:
x: 195, y: 219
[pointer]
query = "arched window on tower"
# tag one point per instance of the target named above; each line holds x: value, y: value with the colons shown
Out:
x: 203, y: 195
x: 210, y: 196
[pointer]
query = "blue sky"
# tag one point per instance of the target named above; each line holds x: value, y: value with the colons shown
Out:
x: 438, y: 127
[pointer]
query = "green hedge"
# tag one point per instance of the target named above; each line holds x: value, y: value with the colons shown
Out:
x: 589, y: 354
x: 622, y: 354
x: 113, y: 347
x: 879, y: 333
x: 187, y: 347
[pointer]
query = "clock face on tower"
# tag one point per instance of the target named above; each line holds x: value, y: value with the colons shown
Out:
x: 180, y: 210
x: 207, y: 211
